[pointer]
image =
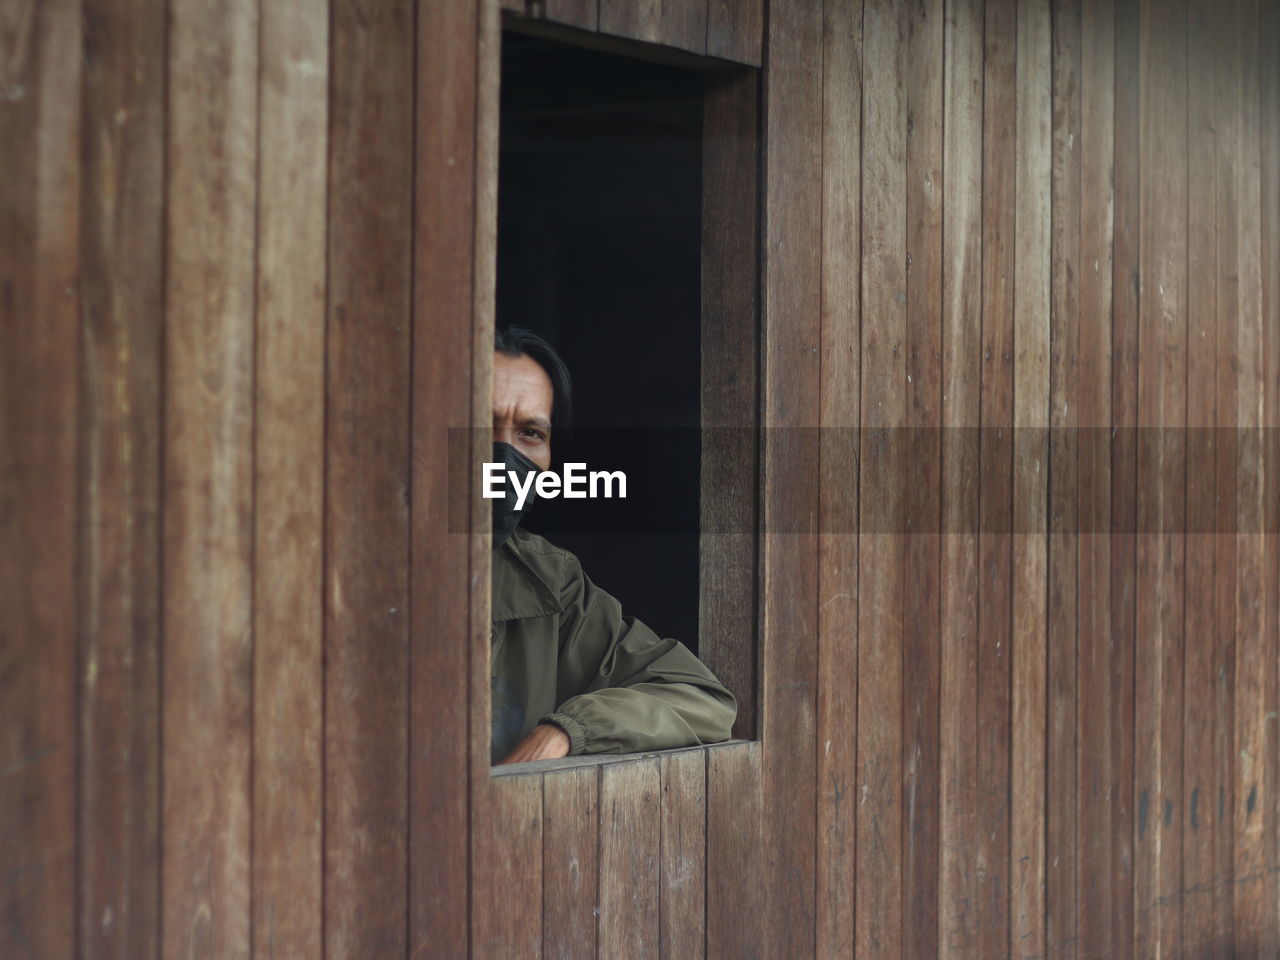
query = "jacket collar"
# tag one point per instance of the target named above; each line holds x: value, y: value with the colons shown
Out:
x: 520, y: 590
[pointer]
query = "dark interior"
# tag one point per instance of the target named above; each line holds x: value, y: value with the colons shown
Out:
x: 599, y: 250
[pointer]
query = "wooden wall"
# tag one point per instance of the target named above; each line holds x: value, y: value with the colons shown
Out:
x: 1018, y: 688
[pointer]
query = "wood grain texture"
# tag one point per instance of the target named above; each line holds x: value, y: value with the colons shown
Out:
x: 1124, y: 418
x: 995, y: 516
x: 879, y: 909
x: 735, y: 30
x: 838, y: 506
x: 39, y: 234
x: 922, y: 588
x: 959, y: 777
x: 792, y: 336
x: 735, y: 822
x: 682, y: 896
x: 570, y: 863
x: 1254, y: 894
x: 1031, y: 306
x: 1097, y: 699
x: 1161, y: 476
x: 121, y: 319
x: 1269, y: 137
x: 1200, y: 783
x: 672, y: 23
x: 1062, y: 929
x: 728, y: 554
x: 630, y: 860
x: 368, y: 479
x: 506, y: 916
x: 288, y: 682
x: 212, y: 147
x: 584, y: 14
x: 454, y: 249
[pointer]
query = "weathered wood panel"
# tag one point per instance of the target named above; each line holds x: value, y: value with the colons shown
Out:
x: 735, y: 854
x: 367, y: 547
x: 682, y: 902
x: 881, y: 555
x: 39, y: 211
x: 995, y: 508
x: 289, y: 459
x: 1096, y: 697
x: 630, y: 865
x: 1031, y: 388
x: 570, y: 864
x: 1062, y: 778
x: 730, y: 374
x: 1005, y: 214
x: 959, y: 776
x: 672, y: 23
x: 454, y: 224
x: 211, y: 195
x: 837, y: 638
x: 792, y: 274
x: 121, y: 321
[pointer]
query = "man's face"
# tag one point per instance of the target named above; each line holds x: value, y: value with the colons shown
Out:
x: 522, y: 399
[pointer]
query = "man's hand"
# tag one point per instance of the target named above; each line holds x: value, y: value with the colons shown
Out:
x: 544, y: 742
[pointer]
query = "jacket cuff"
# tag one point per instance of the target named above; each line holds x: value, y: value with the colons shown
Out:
x: 577, y: 736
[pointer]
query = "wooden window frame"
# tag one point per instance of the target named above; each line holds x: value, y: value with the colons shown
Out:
x: 730, y: 578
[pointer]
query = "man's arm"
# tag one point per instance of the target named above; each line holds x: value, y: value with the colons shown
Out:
x: 623, y: 688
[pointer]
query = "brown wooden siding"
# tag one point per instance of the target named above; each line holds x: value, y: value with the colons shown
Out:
x: 1017, y: 689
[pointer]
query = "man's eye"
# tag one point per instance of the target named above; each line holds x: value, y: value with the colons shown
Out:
x: 532, y: 434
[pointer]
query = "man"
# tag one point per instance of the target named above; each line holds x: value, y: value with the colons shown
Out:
x: 571, y: 674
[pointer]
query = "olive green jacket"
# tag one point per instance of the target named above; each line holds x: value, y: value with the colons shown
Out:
x: 563, y: 653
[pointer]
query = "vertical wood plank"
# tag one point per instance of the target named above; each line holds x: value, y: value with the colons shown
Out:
x: 583, y: 14
x: 1161, y: 477
x: 994, y: 730
x: 1227, y: 90
x: 1030, y: 418
x: 289, y: 458
x: 121, y: 317
x: 1254, y: 895
x: 735, y: 926
x: 881, y: 553
x: 1061, y: 838
x: 838, y: 507
x: 368, y: 467
x: 570, y: 869
x: 506, y: 916
x: 959, y: 775
x: 735, y: 30
x: 630, y: 834
x: 792, y: 311
x: 1096, y: 717
x: 1269, y: 135
x: 921, y: 649
x: 730, y: 387
x: 208, y: 475
x: 454, y: 252
x: 672, y: 23
x: 682, y: 903
x: 1200, y: 785
x: 1124, y: 417
x: 39, y: 234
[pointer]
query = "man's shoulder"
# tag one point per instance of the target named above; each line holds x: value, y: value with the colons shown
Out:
x: 554, y: 565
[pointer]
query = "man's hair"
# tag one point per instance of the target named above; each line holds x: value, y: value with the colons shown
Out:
x: 515, y: 342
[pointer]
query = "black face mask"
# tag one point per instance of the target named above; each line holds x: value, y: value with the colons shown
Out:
x: 505, y: 515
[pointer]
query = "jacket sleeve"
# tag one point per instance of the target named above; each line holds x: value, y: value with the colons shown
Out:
x: 624, y: 689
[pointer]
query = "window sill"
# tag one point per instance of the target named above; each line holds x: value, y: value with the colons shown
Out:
x: 539, y: 767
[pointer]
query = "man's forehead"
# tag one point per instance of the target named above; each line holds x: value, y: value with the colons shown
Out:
x: 522, y: 384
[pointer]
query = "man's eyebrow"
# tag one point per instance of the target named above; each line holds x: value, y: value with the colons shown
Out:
x: 539, y: 422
